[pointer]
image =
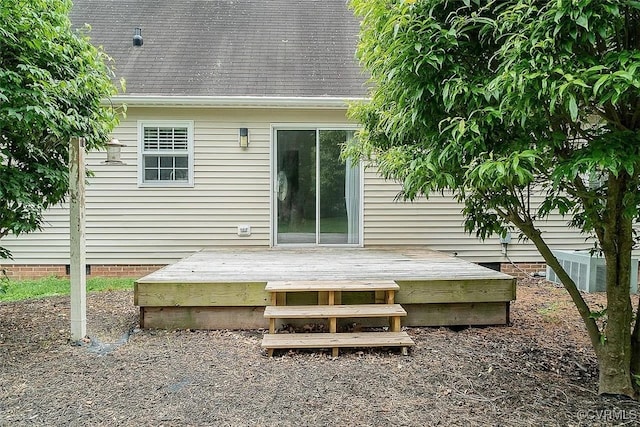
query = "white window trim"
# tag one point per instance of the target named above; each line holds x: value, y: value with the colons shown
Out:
x: 190, y: 150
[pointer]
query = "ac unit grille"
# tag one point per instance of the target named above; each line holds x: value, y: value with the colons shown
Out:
x: 588, y: 272
x: 601, y: 277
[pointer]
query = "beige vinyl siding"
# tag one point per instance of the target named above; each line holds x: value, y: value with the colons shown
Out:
x: 127, y: 224
x: 49, y: 246
x: 438, y: 224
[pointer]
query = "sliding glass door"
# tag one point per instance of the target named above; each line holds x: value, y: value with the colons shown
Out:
x: 296, y: 186
x: 317, y: 195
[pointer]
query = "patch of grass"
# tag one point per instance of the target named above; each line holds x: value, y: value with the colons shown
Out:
x: 550, y: 311
x: 17, y: 290
x: 4, y: 282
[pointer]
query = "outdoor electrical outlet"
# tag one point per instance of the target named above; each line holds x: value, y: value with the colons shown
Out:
x: 244, y: 230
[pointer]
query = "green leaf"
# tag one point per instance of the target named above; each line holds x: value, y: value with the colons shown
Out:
x: 583, y: 22
x: 573, y: 108
x: 599, y: 83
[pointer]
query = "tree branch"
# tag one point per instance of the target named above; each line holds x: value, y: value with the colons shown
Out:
x: 526, y: 225
x: 582, y: 193
x: 535, y: 236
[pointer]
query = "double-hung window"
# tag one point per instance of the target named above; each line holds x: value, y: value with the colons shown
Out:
x: 166, y: 153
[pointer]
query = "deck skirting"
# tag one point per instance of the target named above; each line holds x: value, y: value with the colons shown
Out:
x: 465, y: 314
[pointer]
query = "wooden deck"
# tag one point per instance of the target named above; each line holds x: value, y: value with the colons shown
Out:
x: 225, y: 288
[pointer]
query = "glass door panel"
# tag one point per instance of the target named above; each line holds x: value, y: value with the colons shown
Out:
x: 339, y: 190
x: 296, y: 186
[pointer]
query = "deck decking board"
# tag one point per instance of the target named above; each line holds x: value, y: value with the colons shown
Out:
x: 320, y: 264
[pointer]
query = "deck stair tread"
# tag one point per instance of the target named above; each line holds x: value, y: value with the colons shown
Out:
x: 335, y: 340
x: 328, y: 285
x: 338, y: 311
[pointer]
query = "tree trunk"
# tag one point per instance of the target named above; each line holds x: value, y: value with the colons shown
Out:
x: 614, y: 354
x: 635, y: 345
x: 613, y: 349
x: 535, y: 236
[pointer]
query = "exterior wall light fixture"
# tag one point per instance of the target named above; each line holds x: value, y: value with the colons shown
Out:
x: 113, y: 152
x: 244, y: 137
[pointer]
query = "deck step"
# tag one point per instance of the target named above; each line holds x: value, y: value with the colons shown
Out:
x: 331, y: 285
x: 338, y: 311
x: 328, y: 340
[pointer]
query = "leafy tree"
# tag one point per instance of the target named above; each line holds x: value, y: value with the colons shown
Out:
x: 52, y: 83
x: 497, y: 100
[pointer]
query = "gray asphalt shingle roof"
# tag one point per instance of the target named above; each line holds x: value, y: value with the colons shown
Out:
x: 298, y: 48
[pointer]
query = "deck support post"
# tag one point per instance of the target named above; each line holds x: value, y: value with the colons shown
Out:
x: 77, y: 248
x: 390, y: 297
x: 394, y: 324
x: 333, y: 322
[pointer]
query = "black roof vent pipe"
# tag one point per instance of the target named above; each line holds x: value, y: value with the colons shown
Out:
x: 137, y: 37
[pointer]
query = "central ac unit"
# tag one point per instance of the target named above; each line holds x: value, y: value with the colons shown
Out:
x: 588, y: 272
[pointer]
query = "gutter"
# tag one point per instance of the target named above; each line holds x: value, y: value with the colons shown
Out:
x: 319, y: 102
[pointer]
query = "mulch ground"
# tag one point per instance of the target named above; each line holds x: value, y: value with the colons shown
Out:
x: 539, y: 371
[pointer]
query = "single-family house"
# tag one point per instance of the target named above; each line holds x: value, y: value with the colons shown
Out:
x: 236, y: 113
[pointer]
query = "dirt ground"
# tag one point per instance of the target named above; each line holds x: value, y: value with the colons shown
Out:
x: 539, y: 371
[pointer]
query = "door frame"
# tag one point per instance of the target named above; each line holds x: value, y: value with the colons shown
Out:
x: 273, y: 160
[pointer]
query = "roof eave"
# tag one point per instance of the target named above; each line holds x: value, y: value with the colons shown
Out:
x: 320, y: 102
